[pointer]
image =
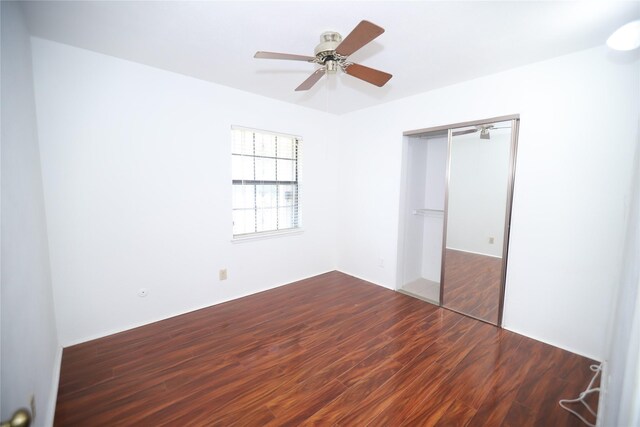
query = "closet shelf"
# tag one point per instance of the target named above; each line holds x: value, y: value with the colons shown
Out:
x: 434, y: 213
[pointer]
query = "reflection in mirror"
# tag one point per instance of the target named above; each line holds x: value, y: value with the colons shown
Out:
x: 477, y: 193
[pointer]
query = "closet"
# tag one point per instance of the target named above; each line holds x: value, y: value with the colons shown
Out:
x: 455, y: 214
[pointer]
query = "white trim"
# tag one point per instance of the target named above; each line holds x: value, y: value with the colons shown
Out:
x: 604, y: 386
x: 472, y: 252
x: 270, y: 132
x: 266, y: 235
x: 370, y: 281
x: 402, y: 201
x: 53, y: 395
x: 297, y: 158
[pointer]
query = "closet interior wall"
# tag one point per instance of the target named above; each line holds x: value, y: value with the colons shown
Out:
x: 426, y: 158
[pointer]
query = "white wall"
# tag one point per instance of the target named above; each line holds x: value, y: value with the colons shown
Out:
x: 436, y: 174
x: 620, y: 400
x: 478, y: 178
x: 137, y: 183
x: 425, y: 177
x: 414, y: 199
x: 434, y: 185
x: 579, y: 127
x: 30, y: 352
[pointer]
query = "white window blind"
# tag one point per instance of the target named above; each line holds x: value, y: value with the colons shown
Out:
x: 264, y: 173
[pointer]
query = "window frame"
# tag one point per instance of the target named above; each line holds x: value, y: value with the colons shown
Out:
x: 295, y: 182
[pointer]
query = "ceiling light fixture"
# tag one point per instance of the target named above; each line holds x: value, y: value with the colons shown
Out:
x: 626, y: 37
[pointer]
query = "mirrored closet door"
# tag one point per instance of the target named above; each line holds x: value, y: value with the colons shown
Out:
x: 455, y: 215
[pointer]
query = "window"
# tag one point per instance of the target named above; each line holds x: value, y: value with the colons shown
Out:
x: 264, y: 173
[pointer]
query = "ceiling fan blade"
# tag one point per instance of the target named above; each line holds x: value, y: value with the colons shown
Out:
x: 313, y: 79
x: 289, y: 56
x: 370, y: 75
x: 362, y: 34
x: 464, y: 132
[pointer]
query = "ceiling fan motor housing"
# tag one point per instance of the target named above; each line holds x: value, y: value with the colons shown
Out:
x: 326, y: 51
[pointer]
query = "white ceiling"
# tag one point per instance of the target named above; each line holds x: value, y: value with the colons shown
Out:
x: 426, y: 44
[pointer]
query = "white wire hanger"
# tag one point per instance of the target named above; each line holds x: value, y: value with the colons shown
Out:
x: 580, y: 399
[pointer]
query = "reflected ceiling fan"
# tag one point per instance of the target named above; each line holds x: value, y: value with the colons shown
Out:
x: 483, y: 129
x: 332, y: 53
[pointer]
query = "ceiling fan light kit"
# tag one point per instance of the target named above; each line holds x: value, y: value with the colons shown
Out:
x: 326, y: 51
x: 332, y: 53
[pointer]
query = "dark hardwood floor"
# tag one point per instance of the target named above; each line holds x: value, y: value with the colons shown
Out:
x: 329, y: 350
x: 472, y: 284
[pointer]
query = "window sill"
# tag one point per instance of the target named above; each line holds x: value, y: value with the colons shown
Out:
x: 266, y: 235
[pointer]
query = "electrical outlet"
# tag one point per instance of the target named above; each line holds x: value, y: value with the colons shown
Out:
x: 381, y: 262
x: 32, y: 404
x: 142, y: 292
x: 491, y: 240
x: 222, y: 274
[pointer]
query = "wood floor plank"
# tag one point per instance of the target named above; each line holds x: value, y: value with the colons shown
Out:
x: 303, y: 403
x: 327, y: 350
x: 350, y: 400
x: 407, y: 400
x: 351, y: 353
x: 478, y: 367
x: 519, y: 416
x: 458, y: 414
x: 385, y: 399
x: 505, y: 383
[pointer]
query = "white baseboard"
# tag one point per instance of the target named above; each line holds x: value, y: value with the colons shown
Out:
x: 604, y: 384
x: 111, y: 331
x: 393, y: 288
x: 53, y: 396
x: 561, y: 346
x: 476, y: 253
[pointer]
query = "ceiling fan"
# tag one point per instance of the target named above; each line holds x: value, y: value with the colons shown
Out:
x: 483, y: 129
x: 332, y: 53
